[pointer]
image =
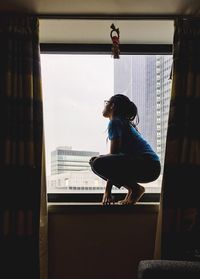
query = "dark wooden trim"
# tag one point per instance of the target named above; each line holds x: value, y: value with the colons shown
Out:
x: 125, y: 49
x: 55, y: 16
x: 76, y: 198
x: 100, y: 16
x: 97, y: 208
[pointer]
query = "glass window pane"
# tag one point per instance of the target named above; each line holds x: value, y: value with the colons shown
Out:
x: 75, y: 88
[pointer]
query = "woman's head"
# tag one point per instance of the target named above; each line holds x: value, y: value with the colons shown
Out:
x: 121, y: 106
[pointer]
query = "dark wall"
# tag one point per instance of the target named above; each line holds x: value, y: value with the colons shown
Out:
x: 96, y: 243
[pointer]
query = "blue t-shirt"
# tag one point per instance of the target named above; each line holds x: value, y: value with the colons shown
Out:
x: 132, y: 143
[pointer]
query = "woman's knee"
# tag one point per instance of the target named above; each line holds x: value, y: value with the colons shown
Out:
x: 92, y: 160
x: 95, y: 163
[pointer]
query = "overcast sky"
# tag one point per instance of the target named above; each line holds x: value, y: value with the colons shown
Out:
x: 74, y: 90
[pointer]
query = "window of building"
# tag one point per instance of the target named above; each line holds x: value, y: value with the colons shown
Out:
x: 74, y: 90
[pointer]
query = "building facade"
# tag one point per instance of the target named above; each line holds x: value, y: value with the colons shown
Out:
x: 71, y: 172
x: 163, y: 93
x: 64, y: 159
x: 75, y: 181
x: 145, y: 80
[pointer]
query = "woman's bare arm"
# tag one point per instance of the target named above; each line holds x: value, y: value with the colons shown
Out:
x: 115, y: 146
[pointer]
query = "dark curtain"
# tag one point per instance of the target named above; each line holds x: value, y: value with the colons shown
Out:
x: 21, y: 131
x: 180, y: 202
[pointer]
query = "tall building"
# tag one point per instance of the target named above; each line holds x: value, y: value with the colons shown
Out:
x: 145, y: 80
x: 135, y: 77
x: 64, y: 159
x: 163, y: 93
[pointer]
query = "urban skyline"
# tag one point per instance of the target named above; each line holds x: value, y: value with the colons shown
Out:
x: 65, y: 178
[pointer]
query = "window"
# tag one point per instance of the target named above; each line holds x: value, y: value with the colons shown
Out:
x: 74, y: 89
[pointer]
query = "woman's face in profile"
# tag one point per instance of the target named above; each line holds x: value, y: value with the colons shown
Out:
x: 107, y: 112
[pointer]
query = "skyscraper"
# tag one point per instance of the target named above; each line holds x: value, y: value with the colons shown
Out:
x: 145, y: 80
x: 163, y: 92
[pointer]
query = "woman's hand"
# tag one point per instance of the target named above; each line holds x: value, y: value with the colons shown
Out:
x: 107, y: 197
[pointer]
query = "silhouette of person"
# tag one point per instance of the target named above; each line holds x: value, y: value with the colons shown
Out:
x: 131, y: 159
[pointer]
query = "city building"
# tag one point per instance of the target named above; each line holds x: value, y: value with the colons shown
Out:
x: 163, y: 92
x: 87, y: 182
x: 145, y: 79
x: 64, y: 159
x: 75, y: 181
x: 71, y: 172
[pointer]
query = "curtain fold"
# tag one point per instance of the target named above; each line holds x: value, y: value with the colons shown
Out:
x: 21, y: 124
x: 179, y: 218
x: 43, y: 221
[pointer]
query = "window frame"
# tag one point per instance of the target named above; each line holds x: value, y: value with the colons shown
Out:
x: 125, y: 49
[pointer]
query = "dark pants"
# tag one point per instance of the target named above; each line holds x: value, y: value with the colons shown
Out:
x: 123, y: 170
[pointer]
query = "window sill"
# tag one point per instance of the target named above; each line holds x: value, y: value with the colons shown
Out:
x: 94, y: 208
x: 93, y: 198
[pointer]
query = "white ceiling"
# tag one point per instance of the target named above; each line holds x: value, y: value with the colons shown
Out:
x: 56, y: 24
x: 98, y: 31
x: 104, y: 7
